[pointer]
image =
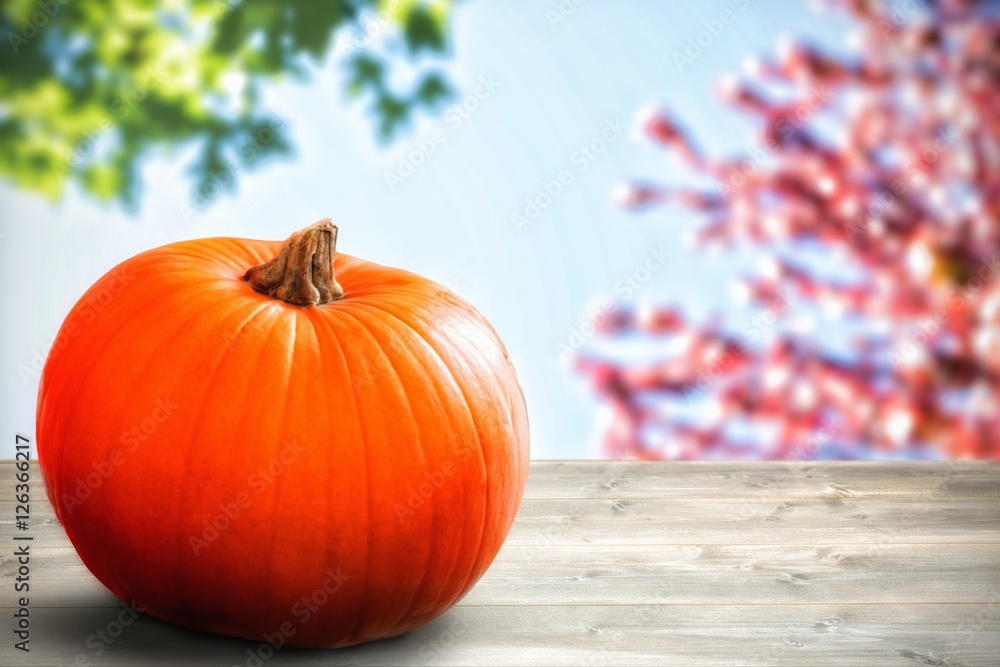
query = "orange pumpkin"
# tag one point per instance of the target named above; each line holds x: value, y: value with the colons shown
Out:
x: 237, y: 441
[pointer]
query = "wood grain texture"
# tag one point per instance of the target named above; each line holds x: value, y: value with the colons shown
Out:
x: 743, y: 479
x: 764, y: 479
x: 733, y: 574
x: 615, y: 563
x: 688, y: 635
x: 658, y: 521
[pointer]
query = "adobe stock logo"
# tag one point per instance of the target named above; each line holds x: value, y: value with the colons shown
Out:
x: 31, y: 25
x: 582, y: 158
x: 424, y: 147
x: 425, y: 488
x: 562, y: 13
x: 131, y: 440
x: 95, y: 301
x: 230, y: 511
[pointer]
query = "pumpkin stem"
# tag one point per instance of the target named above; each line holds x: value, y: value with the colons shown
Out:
x: 302, y: 273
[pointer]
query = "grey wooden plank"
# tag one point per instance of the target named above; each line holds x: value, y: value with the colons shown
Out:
x: 734, y: 479
x: 543, y: 522
x: 691, y: 635
x: 747, y: 563
x: 771, y: 574
x: 58, y: 579
x: 756, y: 521
x: 643, y: 575
x: 763, y: 479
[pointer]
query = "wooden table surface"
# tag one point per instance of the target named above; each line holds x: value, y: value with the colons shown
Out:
x: 708, y: 563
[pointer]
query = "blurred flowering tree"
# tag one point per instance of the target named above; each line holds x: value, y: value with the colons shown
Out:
x: 87, y: 89
x: 889, y: 161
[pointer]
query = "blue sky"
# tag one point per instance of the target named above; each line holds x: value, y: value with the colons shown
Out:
x: 546, y: 90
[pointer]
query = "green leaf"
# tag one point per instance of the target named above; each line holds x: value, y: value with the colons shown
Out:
x: 88, y: 96
x: 423, y: 30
